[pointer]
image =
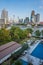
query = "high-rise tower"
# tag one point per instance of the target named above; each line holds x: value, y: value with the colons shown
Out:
x: 32, y: 15
x: 4, y: 15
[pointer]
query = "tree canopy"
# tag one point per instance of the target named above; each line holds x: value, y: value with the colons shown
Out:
x: 14, y: 34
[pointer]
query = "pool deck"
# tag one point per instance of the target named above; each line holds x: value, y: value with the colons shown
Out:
x: 29, y: 58
x: 34, y: 46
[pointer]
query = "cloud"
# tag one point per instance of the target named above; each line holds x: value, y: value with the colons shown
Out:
x: 41, y: 6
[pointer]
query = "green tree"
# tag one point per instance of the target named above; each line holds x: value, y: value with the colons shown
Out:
x: 29, y: 30
x: 42, y: 32
x: 17, y: 34
x: 12, y: 32
x: 37, y: 33
x: 16, y: 38
x: 18, y: 63
x: 4, y: 36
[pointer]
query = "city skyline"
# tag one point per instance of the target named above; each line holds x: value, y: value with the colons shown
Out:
x: 22, y: 8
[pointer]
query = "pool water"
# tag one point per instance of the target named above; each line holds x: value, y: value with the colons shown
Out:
x: 38, y: 51
x: 24, y: 62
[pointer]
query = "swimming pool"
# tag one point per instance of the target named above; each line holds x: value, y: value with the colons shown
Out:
x: 24, y: 62
x: 38, y: 51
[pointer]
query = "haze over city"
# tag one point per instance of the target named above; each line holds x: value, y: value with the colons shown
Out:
x: 22, y: 8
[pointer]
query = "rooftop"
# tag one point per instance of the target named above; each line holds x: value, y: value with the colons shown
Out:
x: 8, y: 48
x: 41, y: 23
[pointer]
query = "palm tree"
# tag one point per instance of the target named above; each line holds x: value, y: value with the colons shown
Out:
x: 37, y: 33
x: 18, y: 63
x: 42, y: 32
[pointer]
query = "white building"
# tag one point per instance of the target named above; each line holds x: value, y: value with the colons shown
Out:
x: 37, y: 17
x: 2, y: 22
x: 4, y: 15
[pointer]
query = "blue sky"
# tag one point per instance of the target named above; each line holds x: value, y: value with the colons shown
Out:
x: 22, y: 8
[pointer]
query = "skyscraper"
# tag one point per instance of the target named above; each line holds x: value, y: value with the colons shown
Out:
x: 26, y: 20
x: 37, y: 17
x: 32, y: 16
x: 32, y: 13
x: 4, y: 15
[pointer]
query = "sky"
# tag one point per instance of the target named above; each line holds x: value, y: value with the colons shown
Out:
x: 22, y: 8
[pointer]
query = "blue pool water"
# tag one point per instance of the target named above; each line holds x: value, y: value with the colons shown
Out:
x: 24, y: 62
x: 38, y: 51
